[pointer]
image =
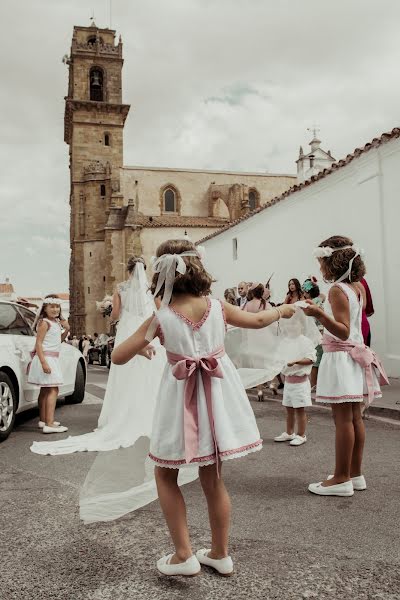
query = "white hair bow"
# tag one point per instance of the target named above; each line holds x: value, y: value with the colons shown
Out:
x: 326, y: 252
x: 166, y: 266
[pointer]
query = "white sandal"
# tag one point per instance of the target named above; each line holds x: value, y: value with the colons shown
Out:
x: 189, y: 568
x: 224, y: 566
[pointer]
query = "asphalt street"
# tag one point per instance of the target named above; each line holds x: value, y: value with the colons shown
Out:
x: 286, y: 543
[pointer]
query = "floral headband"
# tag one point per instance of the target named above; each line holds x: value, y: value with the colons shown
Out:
x: 327, y: 251
x: 52, y: 301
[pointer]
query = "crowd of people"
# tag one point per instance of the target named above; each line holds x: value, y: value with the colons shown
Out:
x: 196, y: 412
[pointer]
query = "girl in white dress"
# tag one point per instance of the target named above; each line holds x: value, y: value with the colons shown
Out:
x: 349, y: 370
x: 44, y: 369
x: 300, y: 338
x: 202, y: 416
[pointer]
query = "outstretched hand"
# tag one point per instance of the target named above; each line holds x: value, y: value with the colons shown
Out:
x: 148, y: 352
x: 287, y: 310
x: 312, y: 309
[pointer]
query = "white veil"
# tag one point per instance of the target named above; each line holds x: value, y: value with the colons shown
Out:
x: 260, y: 354
x: 124, y: 416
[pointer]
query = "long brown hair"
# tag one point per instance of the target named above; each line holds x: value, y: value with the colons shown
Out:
x: 336, y: 265
x: 298, y: 291
x: 42, y: 314
x: 195, y: 280
x: 258, y: 293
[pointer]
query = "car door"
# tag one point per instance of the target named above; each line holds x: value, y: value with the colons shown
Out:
x: 25, y: 339
x: 20, y: 341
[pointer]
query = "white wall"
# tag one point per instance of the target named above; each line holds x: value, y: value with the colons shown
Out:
x: 361, y: 201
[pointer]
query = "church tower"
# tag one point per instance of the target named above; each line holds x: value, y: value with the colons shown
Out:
x: 94, y: 123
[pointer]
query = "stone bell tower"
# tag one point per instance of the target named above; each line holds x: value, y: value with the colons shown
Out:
x: 94, y: 122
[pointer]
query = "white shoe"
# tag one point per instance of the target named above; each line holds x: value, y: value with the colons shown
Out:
x: 340, y: 489
x: 224, y: 566
x: 359, y: 483
x: 298, y: 440
x: 41, y: 424
x: 188, y: 568
x: 58, y: 429
x: 285, y: 437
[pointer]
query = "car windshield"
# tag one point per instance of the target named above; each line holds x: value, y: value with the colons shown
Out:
x: 11, y: 322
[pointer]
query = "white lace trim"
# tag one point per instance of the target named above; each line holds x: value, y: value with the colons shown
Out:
x: 212, y: 461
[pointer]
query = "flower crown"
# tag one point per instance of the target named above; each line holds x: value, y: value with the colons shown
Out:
x: 52, y: 301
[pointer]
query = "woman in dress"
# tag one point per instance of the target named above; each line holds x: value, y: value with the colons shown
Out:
x: 121, y: 420
x: 294, y: 293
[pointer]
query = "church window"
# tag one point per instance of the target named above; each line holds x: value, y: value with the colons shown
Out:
x: 88, y: 290
x: 169, y: 200
x: 235, y: 248
x: 96, y: 84
x: 107, y: 139
x: 92, y: 40
x: 253, y: 199
x: 102, y: 190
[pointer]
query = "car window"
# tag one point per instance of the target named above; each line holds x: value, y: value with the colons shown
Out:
x: 28, y: 315
x: 11, y: 322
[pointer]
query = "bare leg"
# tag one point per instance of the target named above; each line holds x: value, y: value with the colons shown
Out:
x: 289, y: 420
x: 301, y: 419
x: 42, y: 403
x: 219, y: 510
x: 344, y: 442
x: 174, y: 509
x: 359, y: 432
x: 314, y: 376
x: 50, y: 405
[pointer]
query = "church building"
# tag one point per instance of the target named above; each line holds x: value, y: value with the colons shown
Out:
x: 118, y: 210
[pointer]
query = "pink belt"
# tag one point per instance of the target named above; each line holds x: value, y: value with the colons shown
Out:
x: 296, y: 378
x: 361, y: 354
x: 186, y: 368
x: 46, y: 353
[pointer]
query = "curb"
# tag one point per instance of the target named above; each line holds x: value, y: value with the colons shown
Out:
x: 373, y: 411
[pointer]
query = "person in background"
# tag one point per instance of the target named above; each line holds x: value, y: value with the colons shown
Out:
x: 95, y: 339
x: 367, y: 310
x: 80, y: 343
x: 230, y: 296
x: 242, y: 291
x: 312, y: 292
x: 294, y: 293
x: 85, y: 348
x: 256, y: 303
x: 75, y: 342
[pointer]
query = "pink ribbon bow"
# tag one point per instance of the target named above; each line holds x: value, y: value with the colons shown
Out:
x: 361, y: 354
x: 46, y: 353
x: 187, y: 368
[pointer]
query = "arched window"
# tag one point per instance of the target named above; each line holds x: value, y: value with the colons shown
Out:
x: 253, y: 199
x: 169, y: 200
x: 102, y: 190
x: 96, y: 84
x: 107, y: 139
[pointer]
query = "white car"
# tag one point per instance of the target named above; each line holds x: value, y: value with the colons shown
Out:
x: 17, y: 340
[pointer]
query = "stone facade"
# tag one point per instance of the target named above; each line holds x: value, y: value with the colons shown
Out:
x: 118, y: 211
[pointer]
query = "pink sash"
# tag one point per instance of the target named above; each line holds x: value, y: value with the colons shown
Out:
x: 46, y: 353
x: 361, y: 354
x: 187, y: 368
x: 296, y: 378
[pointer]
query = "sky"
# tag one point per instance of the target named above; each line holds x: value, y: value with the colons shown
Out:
x: 224, y: 84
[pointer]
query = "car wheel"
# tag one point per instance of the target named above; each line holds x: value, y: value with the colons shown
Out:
x: 8, y: 406
x: 79, y: 391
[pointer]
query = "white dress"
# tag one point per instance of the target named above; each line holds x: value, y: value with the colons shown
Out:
x: 297, y: 394
x: 51, y: 348
x: 236, y: 431
x: 340, y: 378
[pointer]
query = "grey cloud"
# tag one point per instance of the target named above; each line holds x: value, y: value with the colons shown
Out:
x: 268, y: 69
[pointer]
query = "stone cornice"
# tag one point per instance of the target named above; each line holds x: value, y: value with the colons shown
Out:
x: 72, y: 105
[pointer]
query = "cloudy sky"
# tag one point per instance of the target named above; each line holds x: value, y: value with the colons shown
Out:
x: 226, y: 84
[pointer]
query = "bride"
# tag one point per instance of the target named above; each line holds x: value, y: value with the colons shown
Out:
x: 132, y: 388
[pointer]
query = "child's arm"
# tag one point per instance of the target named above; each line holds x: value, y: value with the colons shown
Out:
x: 65, y: 325
x: 135, y: 344
x: 240, y: 318
x: 303, y: 361
x: 339, y: 326
x: 41, y: 332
